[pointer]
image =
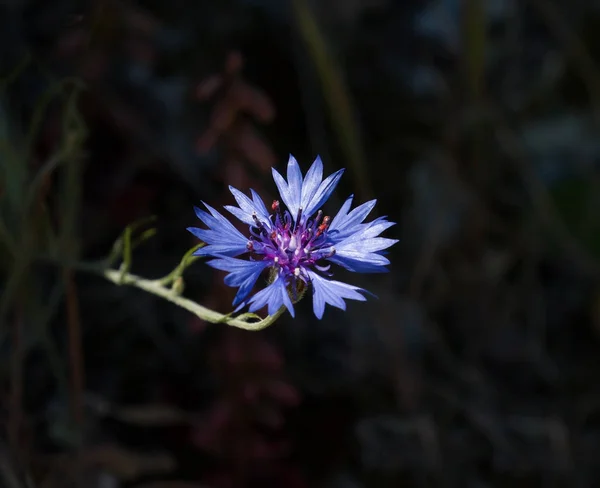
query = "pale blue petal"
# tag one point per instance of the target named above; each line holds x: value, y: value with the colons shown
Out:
x: 221, y: 236
x: 331, y: 292
x: 361, y: 251
x: 242, y: 274
x: 221, y: 246
x: 342, y: 214
x: 323, y: 192
x: 365, y: 233
x: 274, y: 297
x: 249, y: 207
x: 359, y: 262
x: 284, y: 191
x: 217, y: 222
x: 359, y: 213
x: 240, y: 214
x: 294, y: 185
x: 312, y: 180
x: 259, y: 204
x: 242, y: 200
x: 346, y: 224
x: 367, y: 245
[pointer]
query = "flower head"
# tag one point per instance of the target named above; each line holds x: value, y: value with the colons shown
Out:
x: 296, y: 244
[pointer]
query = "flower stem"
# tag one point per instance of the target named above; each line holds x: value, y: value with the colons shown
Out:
x: 156, y: 287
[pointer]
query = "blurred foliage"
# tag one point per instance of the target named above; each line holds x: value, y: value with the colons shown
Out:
x: 577, y: 201
x: 475, y: 125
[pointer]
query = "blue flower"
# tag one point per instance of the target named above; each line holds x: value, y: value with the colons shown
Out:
x: 296, y: 245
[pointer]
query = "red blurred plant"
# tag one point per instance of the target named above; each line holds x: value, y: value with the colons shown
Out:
x: 243, y: 428
x: 230, y: 125
x: 231, y: 130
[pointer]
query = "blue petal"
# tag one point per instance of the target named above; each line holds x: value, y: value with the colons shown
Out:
x: 221, y: 236
x: 366, y: 237
x: 310, y: 194
x: 248, y: 208
x: 240, y: 214
x: 361, y: 251
x: 359, y: 213
x: 361, y: 262
x: 344, y: 224
x: 342, y: 214
x: 323, y: 192
x: 294, y: 185
x: 284, y: 191
x: 331, y: 292
x: 313, y: 179
x: 242, y: 274
x: 367, y: 245
x: 259, y: 204
x: 274, y: 296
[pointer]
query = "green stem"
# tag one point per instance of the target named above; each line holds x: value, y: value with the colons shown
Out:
x: 126, y: 264
x: 156, y: 287
x: 187, y: 259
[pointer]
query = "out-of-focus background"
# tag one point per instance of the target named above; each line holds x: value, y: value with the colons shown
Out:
x: 476, y: 125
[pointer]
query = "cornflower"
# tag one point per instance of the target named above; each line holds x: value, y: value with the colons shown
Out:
x: 296, y: 245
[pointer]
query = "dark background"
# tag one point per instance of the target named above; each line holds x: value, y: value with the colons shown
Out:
x: 476, y: 126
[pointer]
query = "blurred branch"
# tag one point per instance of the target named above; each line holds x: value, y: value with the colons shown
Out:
x: 15, y: 413
x: 474, y: 23
x: 41, y: 320
x: 74, y: 132
x: 337, y: 96
x: 155, y: 287
x: 75, y: 347
x: 7, y: 473
x: 187, y: 259
x: 6, y: 239
x: 56, y: 89
x: 19, y: 272
x: 474, y: 39
x: 543, y: 202
x: 170, y: 286
x: 575, y: 48
x: 589, y: 73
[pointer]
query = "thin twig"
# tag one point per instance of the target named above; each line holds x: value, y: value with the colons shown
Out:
x: 155, y: 287
x: 575, y: 48
x: 336, y: 94
x: 187, y: 259
x: 76, y: 364
x: 16, y: 381
x: 542, y: 201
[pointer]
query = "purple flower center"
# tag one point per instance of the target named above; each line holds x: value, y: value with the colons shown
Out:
x: 291, y: 246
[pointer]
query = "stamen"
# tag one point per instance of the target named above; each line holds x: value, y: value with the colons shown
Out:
x: 323, y: 227
x: 318, y: 217
x: 298, y: 217
x: 275, y: 205
x: 258, y: 223
x: 297, y: 272
x: 250, y: 246
x: 257, y: 233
